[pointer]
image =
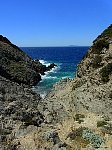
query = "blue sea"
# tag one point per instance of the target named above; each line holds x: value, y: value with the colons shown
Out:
x: 66, y: 59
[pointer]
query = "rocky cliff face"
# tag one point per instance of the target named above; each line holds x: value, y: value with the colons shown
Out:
x: 18, y: 66
x: 85, y: 101
x: 75, y: 115
x: 91, y: 89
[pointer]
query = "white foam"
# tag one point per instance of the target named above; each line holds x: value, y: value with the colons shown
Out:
x: 50, y: 77
x: 47, y: 77
x: 44, y: 62
x: 43, y: 95
x: 53, y: 70
x: 66, y: 77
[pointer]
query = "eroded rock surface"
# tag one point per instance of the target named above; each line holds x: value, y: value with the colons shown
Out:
x: 75, y: 115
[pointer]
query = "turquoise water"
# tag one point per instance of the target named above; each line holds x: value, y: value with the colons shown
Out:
x: 66, y: 59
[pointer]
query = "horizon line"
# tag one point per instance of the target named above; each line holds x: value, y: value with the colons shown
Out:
x: 57, y: 46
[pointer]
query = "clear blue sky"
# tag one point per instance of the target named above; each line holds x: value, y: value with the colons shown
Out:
x: 54, y: 22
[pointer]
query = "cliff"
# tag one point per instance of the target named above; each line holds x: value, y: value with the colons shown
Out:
x: 82, y: 108
x: 17, y: 66
x: 91, y: 89
x: 75, y: 115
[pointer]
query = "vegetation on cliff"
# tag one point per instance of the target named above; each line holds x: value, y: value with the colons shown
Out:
x: 18, y: 66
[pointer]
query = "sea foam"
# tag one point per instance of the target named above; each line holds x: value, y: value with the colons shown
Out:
x: 44, y: 62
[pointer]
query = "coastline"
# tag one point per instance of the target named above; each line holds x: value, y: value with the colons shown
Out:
x: 76, y: 114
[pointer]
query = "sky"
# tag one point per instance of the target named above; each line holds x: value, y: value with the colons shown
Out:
x: 54, y: 22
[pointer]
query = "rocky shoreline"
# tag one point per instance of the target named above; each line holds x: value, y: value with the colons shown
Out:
x: 75, y: 115
x: 17, y: 66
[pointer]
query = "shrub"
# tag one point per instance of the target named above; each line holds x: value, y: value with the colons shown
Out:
x: 101, y: 123
x: 108, y: 32
x: 93, y: 138
x: 86, y: 136
x: 107, y: 129
x: 76, y: 133
x: 78, y: 117
x: 99, y: 45
x: 96, y: 61
x: 105, y: 72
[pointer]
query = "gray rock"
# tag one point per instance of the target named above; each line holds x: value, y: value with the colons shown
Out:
x: 51, y: 136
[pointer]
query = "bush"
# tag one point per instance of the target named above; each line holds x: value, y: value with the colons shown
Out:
x: 96, y: 61
x: 108, y: 32
x: 101, y: 123
x: 99, y: 45
x: 107, y: 129
x: 76, y: 133
x: 79, y: 118
x: 93, y: 138
x: 105, y: 72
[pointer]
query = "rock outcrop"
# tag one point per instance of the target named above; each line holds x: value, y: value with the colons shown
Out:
x: 17, y: 66
x: 18, y: 103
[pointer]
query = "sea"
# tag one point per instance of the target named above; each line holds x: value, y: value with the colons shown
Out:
x: 66, y: 59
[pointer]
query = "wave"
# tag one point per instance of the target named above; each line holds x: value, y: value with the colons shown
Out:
x: 66, y: 77
x: 44, y: 62
x: 48, y: 77
x: 48, y: 73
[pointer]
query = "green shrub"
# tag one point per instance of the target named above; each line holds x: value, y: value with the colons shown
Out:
x: 101, y: 123
x: 105, y: 72
x: 106, y: 126
x: 79, y: 118
x: 99, y: 45
x: 108, y: 32
x: 96, y: 61
x: 76, y: 133
x: 107, y: 129
x: 87, y: 136
x: 106, y: 118
x: 93, y: 138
